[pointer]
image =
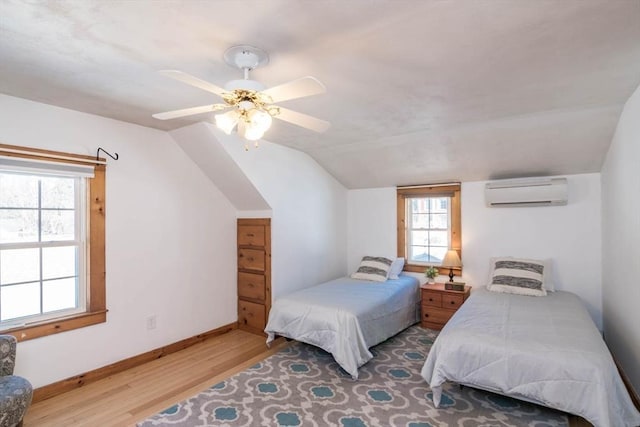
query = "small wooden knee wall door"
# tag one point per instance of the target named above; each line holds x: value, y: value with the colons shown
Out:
x: 254, y: 273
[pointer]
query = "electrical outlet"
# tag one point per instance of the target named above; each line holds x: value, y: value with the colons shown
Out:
x: 151, y: 322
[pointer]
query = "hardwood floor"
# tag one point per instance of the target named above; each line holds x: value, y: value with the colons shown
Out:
x: 132, y: 395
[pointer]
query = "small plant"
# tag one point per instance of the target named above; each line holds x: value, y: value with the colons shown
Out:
x: 431, y: 272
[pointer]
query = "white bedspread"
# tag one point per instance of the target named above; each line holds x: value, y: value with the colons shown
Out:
x: 347, y: 316
x: 546, y: 350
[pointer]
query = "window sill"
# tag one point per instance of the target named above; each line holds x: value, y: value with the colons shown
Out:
x: 419, y: 268
x: 64, y: 324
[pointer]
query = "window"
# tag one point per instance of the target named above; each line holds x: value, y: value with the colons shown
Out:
x: 42, y: 246
x: 51, y: 242
x: 428, y: 231
x: 428, y: 224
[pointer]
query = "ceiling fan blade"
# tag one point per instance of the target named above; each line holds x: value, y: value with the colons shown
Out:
x: 304, y: 86
x: 188, y: 111
x: 193, y: 81
x: 302, y: 120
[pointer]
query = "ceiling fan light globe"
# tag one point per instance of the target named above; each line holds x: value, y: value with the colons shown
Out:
x: 260, y: 119
x: 227, y: 121
x: 253, y: 134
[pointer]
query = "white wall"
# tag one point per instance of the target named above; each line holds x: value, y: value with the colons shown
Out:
x: 621, y: 241
x: 170, y: 241
x: 309, y: 213
x: 570, y: 234
x: 372, y: 225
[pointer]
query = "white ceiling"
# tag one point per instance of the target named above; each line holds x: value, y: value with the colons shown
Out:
x: 418, y: 91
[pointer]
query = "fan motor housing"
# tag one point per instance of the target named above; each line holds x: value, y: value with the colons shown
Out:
x: 244, y: 84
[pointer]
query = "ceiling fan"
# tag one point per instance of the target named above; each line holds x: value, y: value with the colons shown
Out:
x: 248, y: 105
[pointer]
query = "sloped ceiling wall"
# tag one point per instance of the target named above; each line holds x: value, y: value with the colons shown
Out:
x: 203, y: 147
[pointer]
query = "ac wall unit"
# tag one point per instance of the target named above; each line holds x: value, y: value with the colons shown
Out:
x: 526, y: 192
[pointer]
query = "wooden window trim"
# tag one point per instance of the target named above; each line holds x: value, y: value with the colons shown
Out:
x: 450, y: 190
x: 96, y: 290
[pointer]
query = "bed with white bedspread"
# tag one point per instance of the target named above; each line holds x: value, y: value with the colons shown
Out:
x: 346, y: 316
x: 545, y: 350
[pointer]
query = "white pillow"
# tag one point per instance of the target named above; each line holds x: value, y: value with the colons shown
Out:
x: 520, y: 276
x: 373, y: 268
x: 396, y: 268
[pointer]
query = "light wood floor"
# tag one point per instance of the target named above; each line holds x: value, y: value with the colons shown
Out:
x: 132, y: 395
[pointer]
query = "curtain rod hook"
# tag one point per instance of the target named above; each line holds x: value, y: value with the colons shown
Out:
x: 107, y: 153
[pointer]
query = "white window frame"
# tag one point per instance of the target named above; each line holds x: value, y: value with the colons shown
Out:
x: 431, y: 201
x: 81, y: 220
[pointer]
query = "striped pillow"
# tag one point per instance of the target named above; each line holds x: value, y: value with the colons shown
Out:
x: 373, y: 268
x: 517, y: 276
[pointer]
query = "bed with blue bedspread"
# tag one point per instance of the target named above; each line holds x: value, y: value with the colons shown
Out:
x: 346, y: 316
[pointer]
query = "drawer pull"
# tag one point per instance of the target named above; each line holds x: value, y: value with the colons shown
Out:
x: 430, y: 299
x: 426, y: 315
x: 453, y: 302
x: 250, y: 235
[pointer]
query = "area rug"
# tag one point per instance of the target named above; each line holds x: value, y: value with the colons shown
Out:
x: 302, y: 385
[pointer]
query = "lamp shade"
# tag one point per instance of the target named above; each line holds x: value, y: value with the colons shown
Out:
x: 451, y: 259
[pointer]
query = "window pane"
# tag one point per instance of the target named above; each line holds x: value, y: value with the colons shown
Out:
x: 439, y: 238
x: 19, y: 300
x: 419, y: 205
x: 427, y: 254
x: 419, y: 221
x: 437, y: 254
x: 18, y: 191
x: 59, y: 294
x: 439, y: 221
x: 58, y: 262
x: 419, y: 238
x: 57, y: 225
x: 19, y: 265
x: 440, y: 204
x: 18, y: 225
x: 58, y: 192
x: 419, y: 253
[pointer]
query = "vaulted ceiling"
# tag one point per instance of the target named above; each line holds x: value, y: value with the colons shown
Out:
x: 417, y: 91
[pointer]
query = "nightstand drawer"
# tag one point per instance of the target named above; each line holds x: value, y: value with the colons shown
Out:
x: 433, y: 299
x: 452, y: 301
x: 439, y: 304
x: 436, y: 315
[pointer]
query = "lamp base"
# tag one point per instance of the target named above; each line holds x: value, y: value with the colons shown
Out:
x: 451, y: 274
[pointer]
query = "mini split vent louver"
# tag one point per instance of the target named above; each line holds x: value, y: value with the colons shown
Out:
x: 527, y: 192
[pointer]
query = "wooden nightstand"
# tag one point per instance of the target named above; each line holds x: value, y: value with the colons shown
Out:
x: 439, y: 304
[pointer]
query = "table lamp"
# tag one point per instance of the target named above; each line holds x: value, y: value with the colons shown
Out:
x: 451, y: 260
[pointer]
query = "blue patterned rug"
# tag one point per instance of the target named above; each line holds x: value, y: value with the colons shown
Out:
x: 302, y: 385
